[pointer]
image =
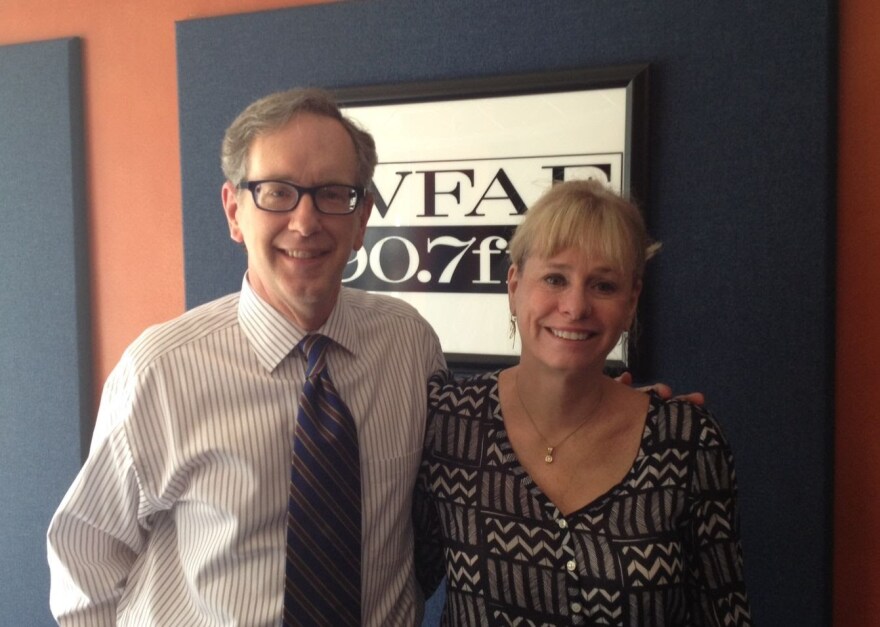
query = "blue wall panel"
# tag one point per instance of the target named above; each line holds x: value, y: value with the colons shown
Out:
x: 45, y: 369
x: 738, y: 304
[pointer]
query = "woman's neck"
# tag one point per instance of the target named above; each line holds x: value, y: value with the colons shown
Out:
x: 556, y: 398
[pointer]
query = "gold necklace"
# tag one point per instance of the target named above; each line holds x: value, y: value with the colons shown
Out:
x: 548, y: 458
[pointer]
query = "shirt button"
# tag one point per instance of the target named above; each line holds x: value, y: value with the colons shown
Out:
x: 571, y: 565
x: 563, y: 524
x: 576, y: 608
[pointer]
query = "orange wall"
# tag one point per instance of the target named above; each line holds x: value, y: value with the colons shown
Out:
x: 136, y: 230
x: 132, y: 149
x: 857, y: 468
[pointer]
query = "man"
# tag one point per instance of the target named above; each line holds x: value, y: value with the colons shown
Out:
x: 179, y: 515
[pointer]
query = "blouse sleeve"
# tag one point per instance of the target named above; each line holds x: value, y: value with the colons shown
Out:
x: 715, y: 561
x: 428, y: 540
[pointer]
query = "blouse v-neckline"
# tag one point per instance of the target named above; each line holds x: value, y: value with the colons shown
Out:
x: 513, y: 464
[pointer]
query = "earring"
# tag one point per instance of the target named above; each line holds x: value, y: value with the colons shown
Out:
x: 512, y: 332
x: 624, y: 347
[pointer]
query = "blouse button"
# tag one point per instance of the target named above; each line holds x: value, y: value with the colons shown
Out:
x: 563, y: 524
x: 571, y: 565
x: 576, y: 608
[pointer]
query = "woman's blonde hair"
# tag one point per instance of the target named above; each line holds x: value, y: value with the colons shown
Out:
x: 587, y: 216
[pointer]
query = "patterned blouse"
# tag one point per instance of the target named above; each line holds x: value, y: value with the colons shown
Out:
x: 660, y: 548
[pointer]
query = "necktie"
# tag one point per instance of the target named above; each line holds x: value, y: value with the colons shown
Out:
x: 323, y: 582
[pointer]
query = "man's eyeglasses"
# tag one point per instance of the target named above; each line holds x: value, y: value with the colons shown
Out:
x: 281, y: 196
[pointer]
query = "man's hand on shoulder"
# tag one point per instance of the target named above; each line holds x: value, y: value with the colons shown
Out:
x: 663, y: 391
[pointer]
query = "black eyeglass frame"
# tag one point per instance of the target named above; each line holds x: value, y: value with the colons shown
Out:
x: 301, y: 190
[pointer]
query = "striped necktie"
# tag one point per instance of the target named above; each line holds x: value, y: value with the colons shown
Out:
x: 323, y: 582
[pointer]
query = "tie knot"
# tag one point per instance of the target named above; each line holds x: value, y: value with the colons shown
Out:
x: 313, y: 347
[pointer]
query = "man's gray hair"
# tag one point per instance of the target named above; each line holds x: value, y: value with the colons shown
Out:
x: 273, y: 112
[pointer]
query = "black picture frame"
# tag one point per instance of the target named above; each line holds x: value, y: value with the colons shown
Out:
x: 446, y: 99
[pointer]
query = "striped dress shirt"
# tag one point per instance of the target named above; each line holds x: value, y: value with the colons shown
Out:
x: 178, y: 514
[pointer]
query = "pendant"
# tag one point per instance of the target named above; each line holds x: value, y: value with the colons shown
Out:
x: 549, y: 456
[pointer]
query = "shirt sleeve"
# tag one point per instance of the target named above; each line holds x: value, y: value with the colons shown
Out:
x: 717, y: 589
x: 96, y: 534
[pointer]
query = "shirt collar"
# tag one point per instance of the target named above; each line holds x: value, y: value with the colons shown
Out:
x: 273, y: 337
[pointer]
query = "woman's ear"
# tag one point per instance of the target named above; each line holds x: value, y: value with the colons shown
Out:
x: 634, y: 303
x: 512, y: 284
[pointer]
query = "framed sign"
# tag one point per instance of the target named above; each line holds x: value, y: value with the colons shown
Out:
x: 459, y: 164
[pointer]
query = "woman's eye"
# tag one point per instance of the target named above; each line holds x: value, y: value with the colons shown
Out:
x: 606, y: 287
x: 554, y: 279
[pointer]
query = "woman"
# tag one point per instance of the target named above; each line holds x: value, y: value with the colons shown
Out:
x: 556, y: 495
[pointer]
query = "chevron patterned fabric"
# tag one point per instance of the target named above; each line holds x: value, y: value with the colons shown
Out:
x: 323, y: 582
x: 660, y: 548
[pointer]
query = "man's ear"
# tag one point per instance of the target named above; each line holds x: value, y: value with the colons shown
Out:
x: 229, y: 196
x: 366, y: 209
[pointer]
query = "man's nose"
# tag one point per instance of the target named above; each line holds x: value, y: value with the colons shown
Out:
x: 305, y: 217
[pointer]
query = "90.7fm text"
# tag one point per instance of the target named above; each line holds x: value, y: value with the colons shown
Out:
x: 431, y: 259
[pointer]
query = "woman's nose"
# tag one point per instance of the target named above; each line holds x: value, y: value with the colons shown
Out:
x: 576, y: 304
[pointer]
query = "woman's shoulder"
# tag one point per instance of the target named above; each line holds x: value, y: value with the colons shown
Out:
x: 679, y: 420
x: 447, y: 387
x: 449, y: 380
